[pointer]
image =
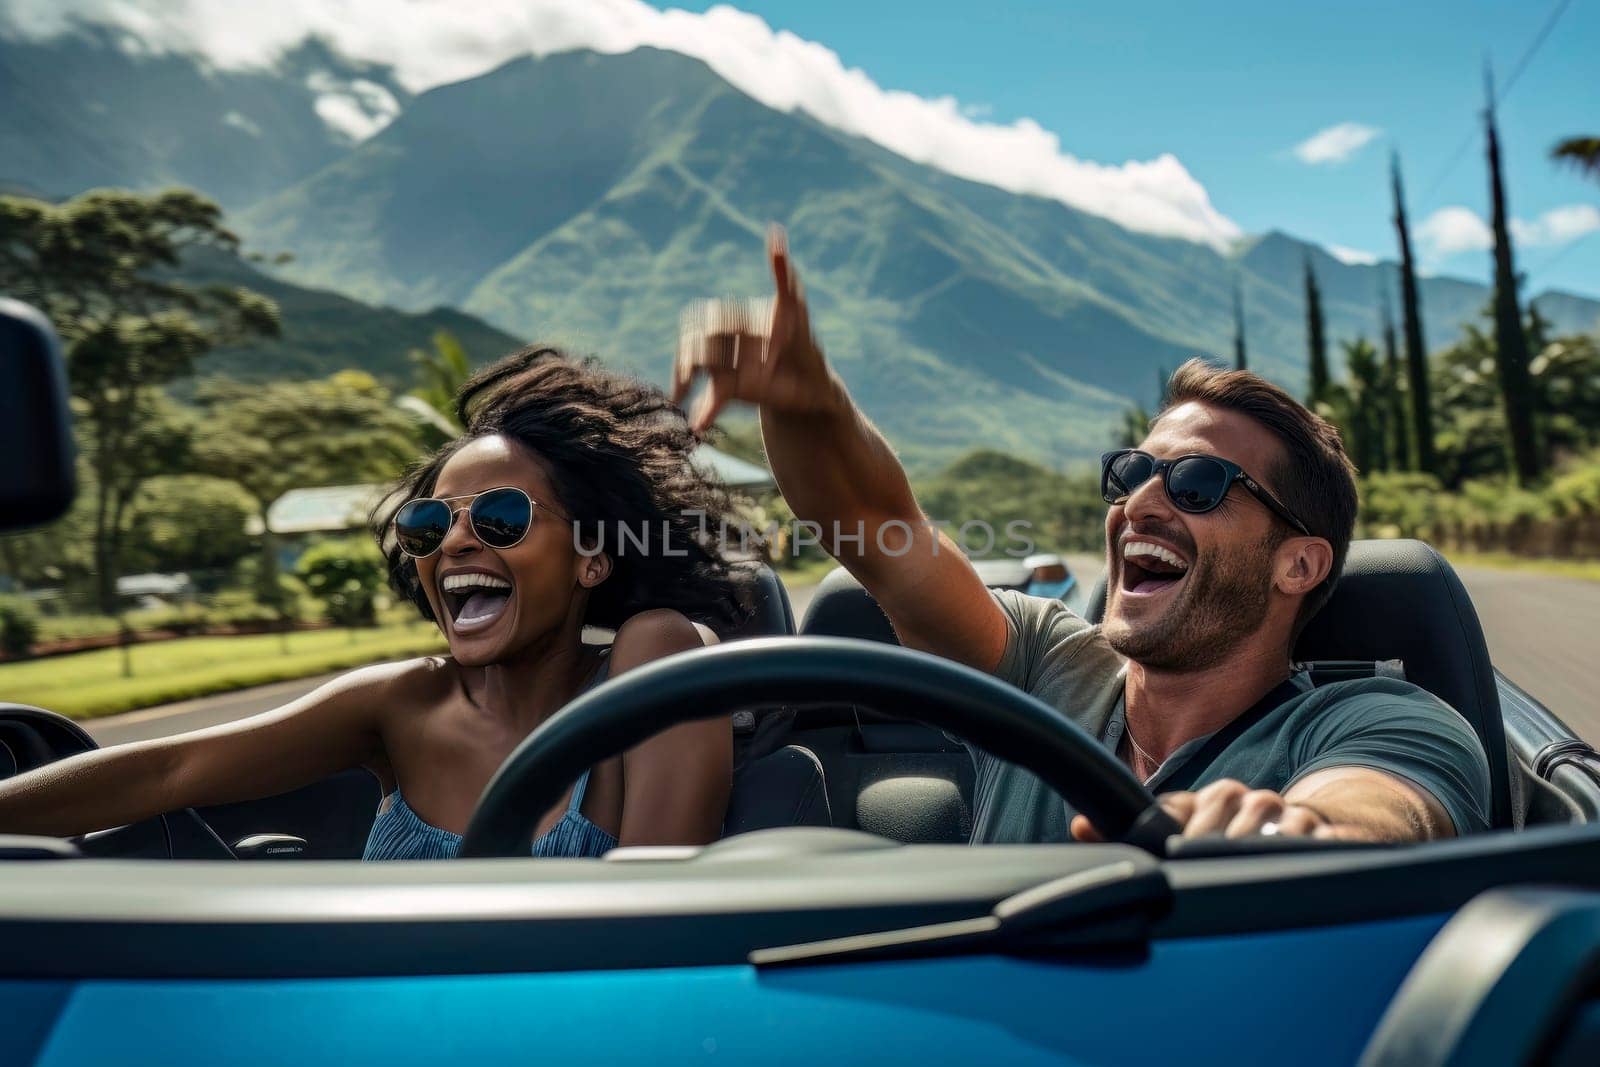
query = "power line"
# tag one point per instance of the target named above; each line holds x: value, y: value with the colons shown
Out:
x: 1558, y: 256
x: 1544, y: 32
x: 1528, y: 53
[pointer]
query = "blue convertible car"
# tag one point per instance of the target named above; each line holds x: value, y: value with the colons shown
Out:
x: 843, y: 918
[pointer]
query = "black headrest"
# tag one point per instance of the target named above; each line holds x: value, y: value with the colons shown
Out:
x: 770, y: 614
x: 841, y: 608
x: 1401, y: 600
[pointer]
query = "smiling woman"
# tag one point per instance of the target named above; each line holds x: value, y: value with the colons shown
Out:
x: 499, y: 538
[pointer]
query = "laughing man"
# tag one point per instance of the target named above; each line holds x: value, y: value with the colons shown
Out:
x: 1224, y: 532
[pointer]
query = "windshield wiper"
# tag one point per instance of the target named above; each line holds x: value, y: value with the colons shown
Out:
x: 1104, y: 908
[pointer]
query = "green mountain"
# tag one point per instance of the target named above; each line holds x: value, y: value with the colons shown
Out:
x: 97, y: 108
x: 324, y: 331
x: 584, y: 199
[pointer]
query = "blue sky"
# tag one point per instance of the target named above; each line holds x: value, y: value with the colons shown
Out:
x: 1232, y: 89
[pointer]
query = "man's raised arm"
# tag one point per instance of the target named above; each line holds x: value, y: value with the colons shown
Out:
x: 836, y: 471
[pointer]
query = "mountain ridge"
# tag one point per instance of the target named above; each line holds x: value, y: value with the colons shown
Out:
x: 584, y: 198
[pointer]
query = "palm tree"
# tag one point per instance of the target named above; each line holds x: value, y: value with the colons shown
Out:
x: 440, y: 375
x: 1581, y: 152
x: 1365, y: 411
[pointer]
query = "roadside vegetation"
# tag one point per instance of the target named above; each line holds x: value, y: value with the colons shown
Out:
x: 87, y: 684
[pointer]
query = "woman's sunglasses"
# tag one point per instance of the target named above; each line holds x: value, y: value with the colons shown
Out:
x: 1195, y: 483
x: 500, y: 519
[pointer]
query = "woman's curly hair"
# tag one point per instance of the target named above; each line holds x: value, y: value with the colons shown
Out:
x: 618, y: 452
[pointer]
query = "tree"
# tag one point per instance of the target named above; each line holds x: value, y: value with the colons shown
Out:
x: 440, y: 375
x: 99, y: 266
x: 1581, y: 152
x: 190, y: 522
x: 1134, y: 429
x: 1399, y: 446
x: 1538, y: 330
x: 346, y: 575
x: 1316, y: 341
x: 1422, y: 445
x: 269, y: 439
x: 1364, y: 410
x: 1241, y: 360
x: 1566, y: 380
x: 1511, y: 344
x: 1473, y: 441
x: 1472, y: 427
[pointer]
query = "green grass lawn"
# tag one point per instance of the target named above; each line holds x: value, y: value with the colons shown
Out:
x: 86, y: 684
x: 1588, y: 570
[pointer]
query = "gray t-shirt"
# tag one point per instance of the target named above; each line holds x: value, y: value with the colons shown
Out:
x: 1382, y: 723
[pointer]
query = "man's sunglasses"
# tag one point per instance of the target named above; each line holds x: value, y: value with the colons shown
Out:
x: 1195, y: 483
x: 500, y: 519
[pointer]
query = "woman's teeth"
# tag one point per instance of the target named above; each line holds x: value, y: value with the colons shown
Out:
x: 475, y: 600
x: 454, y: 582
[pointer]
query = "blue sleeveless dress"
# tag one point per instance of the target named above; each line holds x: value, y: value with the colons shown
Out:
x: 399, y: 833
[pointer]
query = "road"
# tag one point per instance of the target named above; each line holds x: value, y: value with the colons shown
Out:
x: 1543, y: 633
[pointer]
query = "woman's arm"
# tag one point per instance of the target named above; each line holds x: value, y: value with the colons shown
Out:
x: 329, y: 730
x: 675, y: 785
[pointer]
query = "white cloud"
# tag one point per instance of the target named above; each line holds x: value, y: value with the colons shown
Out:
x: 1335, y: 144
x: 1353, y: 256
x: 241, y: 122
x: 1451, y: 230
x: 356, y: 108
x: 431, y: 42
x: 1558, y: 226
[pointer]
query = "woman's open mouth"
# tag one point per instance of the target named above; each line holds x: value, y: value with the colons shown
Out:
x: 474, y: 601
x: 1149, y: 568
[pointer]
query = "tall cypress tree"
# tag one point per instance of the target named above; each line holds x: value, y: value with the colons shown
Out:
x: 1240, y: 360
x: 1538, y: 332
x: 1316, y: 340
x: 1394, y: 399
x: 1511, y: 344
x: 1422, y: 451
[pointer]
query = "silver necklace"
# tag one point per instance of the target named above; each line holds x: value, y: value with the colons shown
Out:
x: 1138, y: 749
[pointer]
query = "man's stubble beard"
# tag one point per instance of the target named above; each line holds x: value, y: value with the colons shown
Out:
x: 1224, y: 601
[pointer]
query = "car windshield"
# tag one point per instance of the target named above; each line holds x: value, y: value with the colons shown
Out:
x: 1229, y: 396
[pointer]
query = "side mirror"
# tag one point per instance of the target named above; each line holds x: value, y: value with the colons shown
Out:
x: 38, y: 478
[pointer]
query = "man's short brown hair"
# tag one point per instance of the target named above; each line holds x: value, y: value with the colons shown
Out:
x: 1314, y: 478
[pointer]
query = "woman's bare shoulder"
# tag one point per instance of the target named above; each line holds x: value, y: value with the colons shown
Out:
x: 408, y: 683
x: 651, y: 635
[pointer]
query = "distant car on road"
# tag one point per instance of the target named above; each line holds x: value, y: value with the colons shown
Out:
x: 1045, y: 574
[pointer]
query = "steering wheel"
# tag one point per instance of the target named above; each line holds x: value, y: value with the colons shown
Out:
x: 983, y: 710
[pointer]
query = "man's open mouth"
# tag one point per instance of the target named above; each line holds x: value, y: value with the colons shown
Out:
x: 1149, y: 568
x: 474, y: 601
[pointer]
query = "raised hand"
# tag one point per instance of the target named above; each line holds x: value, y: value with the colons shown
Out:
x: 756, y: 353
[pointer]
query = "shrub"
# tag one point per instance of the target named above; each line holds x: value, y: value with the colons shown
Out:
x: 239, y: 607
x: 181, y: 619
x: 19, y: 625
x: 346, y: 575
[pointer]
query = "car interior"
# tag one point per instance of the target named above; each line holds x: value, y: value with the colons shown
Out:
x: 826, y: 792
x: 1398, y: 608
